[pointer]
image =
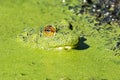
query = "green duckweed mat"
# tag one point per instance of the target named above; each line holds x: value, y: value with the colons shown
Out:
x: 18, y: 62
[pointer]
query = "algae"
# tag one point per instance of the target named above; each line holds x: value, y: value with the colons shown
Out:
x: 18, y: 62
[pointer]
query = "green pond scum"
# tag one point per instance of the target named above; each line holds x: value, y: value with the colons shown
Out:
x: 27, y: 54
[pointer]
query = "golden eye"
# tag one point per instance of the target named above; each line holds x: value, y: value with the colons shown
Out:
x: 49, y: 30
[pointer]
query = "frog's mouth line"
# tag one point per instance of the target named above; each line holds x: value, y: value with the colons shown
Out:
x: 65, y: 47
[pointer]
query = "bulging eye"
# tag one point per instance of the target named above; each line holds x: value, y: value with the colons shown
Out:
x: 49, y: 30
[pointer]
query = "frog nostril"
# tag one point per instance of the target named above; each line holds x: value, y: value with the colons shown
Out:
x: 70, y: 26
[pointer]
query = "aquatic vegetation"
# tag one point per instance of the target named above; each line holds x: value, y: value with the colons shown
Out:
x: 104, y: 21
x: 105, y: 11
x: 27, y: 19
x: 88, y: 20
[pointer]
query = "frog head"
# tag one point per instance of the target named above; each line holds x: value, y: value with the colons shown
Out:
x: 60, y: 35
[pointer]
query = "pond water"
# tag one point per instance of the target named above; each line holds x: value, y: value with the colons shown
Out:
x: 18, y: 62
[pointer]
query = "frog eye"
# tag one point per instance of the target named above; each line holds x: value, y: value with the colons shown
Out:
x: 49, y: 30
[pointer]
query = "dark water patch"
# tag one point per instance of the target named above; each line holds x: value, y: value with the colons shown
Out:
x: 104, y: 11
x: 81, y: 45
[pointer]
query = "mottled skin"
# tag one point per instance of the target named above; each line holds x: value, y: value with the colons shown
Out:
x: 60, y: 35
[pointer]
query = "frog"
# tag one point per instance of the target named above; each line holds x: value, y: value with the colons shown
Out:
x: 59, y: 35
